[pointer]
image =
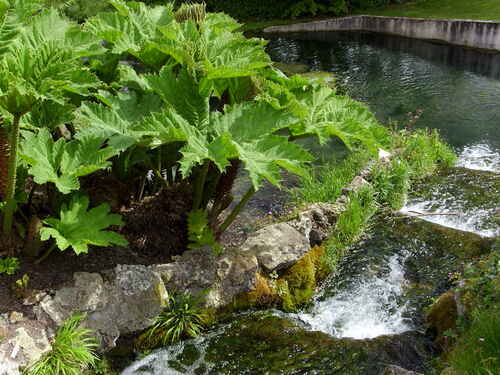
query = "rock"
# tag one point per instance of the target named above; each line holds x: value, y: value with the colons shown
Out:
x: 442, y: 317
x: 357, y: 183
x: 16, y: 317
x: 396, y: 370
x: 316, y: 221
x: 276, y: 246
x: 200, y: 270
x: 22, y: 343
x: 125, y: 302
x: 384, y: 156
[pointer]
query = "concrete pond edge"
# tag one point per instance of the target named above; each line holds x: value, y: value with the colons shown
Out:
x: 461, y: 32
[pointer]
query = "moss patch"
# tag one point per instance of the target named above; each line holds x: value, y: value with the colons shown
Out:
x: 442, y: 317
x: 295, y: 287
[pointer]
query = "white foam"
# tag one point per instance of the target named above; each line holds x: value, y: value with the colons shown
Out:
x: 369, y: 309
x: 480, y: 157
x: 452, y: 218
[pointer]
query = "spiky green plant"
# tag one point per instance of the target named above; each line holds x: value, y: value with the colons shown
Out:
x: 182, y: 318
x: 40, y: 66
x: 72, y: 351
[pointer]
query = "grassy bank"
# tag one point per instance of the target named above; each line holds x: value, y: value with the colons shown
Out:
x: 488, y: 10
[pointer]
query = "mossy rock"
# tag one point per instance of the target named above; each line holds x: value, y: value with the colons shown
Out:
x: 295, y: 287
x: 263, y: 295
x: 442, y: 317
x: 291, y: 69
x: 268, y: 344
x: 465, y: 245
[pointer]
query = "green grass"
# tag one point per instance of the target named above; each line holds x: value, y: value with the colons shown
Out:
x: 478, y: 351
x: 351, y: 224
x: 488, y: 10
x: 325, y: 183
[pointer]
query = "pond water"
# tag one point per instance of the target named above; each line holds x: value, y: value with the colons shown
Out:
x: 369, y: 315
x: 457, y: 89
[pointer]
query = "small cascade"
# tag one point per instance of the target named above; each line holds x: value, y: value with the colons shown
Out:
x: 467, y: 198
x: 480, y: 157
x: 370, y: 308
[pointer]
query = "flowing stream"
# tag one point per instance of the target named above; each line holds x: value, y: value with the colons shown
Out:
x: 374, y: 303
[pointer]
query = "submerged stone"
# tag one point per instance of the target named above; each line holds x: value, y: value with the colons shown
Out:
x: 291, y: 68
x: 465, y: 245
x: 273, y: 345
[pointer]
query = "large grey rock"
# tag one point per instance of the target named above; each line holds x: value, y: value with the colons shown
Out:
x: 22, y: 342
x: 221, y: 277
x: 124, y: 301
x: 277, y: 246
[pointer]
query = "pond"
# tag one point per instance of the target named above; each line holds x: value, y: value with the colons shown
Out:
x: 457, y: 89
x: 369, y: 314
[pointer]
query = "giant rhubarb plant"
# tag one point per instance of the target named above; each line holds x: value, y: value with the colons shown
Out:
x: 40, y: 65
x: 211, y: 97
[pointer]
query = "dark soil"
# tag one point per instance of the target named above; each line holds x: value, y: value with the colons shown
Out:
x: 155, y: 229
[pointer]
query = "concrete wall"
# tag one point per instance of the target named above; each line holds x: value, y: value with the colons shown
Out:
x: 476, y: 34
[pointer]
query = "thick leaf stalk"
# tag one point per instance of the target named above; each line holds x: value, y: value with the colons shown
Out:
x: 4, y: 163
x: 236, y: 211
x: 12, y: 176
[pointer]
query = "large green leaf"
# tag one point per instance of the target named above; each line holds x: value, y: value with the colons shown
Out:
x: 45, y: 72
x: 264, y: 159
x: 132, y: 28
x: 79, y: 227
x: 246, y: 132
x: 181, y: 92
x: 117, y: 118
x: 63, y: 162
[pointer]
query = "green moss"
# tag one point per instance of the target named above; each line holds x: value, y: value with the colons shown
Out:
x: 287, y: 302
x: 301, y: 279
x: 264, y: 295
x: 442, y: 317
x: 294, y: 288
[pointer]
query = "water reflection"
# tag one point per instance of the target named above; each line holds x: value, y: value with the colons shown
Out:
x: 458, y: 89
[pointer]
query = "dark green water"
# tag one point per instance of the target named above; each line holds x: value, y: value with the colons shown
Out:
x: 458, y: 89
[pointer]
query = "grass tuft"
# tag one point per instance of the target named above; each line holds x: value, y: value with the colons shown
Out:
x: 72, y: 351
x: 182, y: 318
x: 325, y: 184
